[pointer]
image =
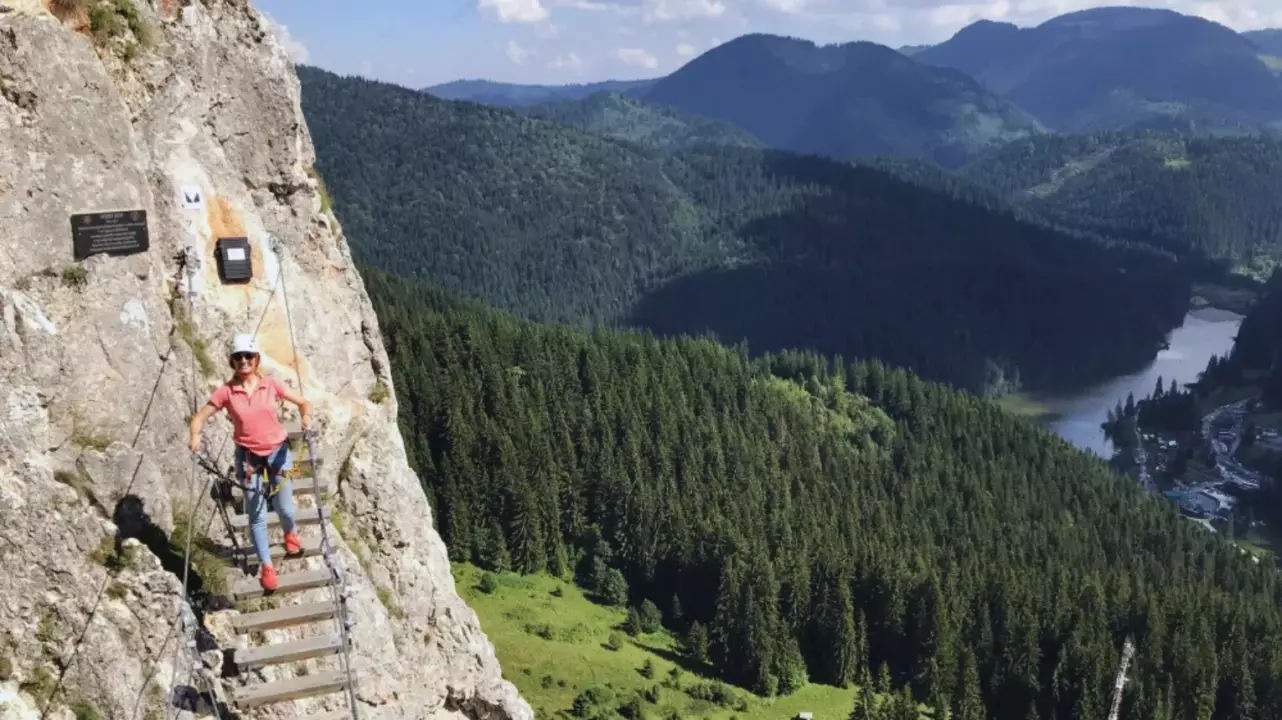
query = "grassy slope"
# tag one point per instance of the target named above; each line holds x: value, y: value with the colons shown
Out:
x: 576, y: 655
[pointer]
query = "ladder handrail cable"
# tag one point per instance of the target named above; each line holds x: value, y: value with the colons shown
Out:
x: 338, y: 592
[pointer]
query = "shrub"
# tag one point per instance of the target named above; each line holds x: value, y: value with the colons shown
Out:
x: 614, y: 588
x: 389, y: 603
x: 75, y: 277
x: 614, y: 642
x: 543, y: 630
x: 114, y: 560
x: 696, y: 642
x: 84, y: 710
x: 632, y: 708
x: 590, y: 700
x: 632, y: 625
x: 205, y: 561
x: 651, y: 618
x: 40, y: 685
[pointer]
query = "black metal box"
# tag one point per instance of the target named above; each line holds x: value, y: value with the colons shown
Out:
x: 235, y: 261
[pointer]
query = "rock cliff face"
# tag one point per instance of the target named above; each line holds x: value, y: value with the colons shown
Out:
x: 116, y: 105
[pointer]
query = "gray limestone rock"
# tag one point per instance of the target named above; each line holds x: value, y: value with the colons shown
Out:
x: 103, y: 360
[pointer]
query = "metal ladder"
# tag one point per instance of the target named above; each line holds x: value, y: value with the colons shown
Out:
x: 297, y: 583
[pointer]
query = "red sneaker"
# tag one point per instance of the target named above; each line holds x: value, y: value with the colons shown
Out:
x: 268, y: 577
x: 293, y: 546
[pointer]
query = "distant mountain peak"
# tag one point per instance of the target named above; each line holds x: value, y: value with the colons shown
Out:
x: 1119, y: 67
x: 843, y: 100
x: 1268, y: 41
x: 1120, y: 17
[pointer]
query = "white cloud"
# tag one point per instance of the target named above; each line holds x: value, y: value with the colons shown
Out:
x: 569, y: 62
x: 665, y: 10
x: 652, y: 11
x: 296, y: 49
x: 657, y: 33
x: 787, y: 6
x: 582, y: 4
x: 638, y: 56
x: 519, y: 11
x: 367, y: 69
x: 894, y: 21
x: 516, y: 53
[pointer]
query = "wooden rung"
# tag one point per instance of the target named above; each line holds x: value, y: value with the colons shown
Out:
x: 292, y: 651
x: 300, y: 486
x: 302, y: 516
x: 284, y: 617
x: 248, y: 588
x: 311, y: 548
x: 291, y: 689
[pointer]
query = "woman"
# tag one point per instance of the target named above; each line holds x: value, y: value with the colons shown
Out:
x: 261, y: 441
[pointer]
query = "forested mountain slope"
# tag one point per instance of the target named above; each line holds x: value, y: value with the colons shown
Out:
x: 1257, y: 351
x: 824, y: 521
x: 1116, y: 67
x: 1269, y: 42
x: 842, y: 101
x: 513, y: 95
x: 780, y: 250
x: 627, y: 118
x: 1217, y: 197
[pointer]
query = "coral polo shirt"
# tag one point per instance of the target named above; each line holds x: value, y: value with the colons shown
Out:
x: 253, y: 414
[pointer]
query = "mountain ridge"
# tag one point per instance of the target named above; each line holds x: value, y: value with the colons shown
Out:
x: 1220, y: 198
x: 520, y: 95
x: 1112, y: 67
x: 719, y: 239
x: 842, y: 101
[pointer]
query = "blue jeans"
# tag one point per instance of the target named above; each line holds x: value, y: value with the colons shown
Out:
x: 280, y: 461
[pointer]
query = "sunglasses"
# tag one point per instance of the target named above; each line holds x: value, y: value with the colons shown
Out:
x: 243, y: 357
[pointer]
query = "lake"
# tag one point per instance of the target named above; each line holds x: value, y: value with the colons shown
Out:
x: 1077, y: 417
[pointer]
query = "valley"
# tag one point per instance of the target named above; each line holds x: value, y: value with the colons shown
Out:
x: 821, y: 391
x: 773, y: 379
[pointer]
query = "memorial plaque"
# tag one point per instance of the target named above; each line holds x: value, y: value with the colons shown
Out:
x: 114, y: 233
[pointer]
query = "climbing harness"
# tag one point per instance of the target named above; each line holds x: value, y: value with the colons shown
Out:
x: 270, y: 484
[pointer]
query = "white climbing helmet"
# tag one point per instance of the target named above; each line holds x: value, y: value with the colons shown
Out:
x: 243, y: 343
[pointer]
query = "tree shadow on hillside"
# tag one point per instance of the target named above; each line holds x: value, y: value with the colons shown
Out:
x: 876, y: 267
x: 682, y: 661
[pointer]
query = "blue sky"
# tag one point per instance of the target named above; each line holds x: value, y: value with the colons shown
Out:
x: 423, y: 42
